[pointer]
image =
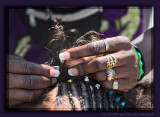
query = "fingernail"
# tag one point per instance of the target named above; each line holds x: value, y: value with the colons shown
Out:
x: 64, y: 56
x: 54, y: 80
x: 73, y: 72
x: 54, y: 73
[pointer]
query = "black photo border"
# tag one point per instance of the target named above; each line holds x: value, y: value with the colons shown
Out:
x: 113, y: 3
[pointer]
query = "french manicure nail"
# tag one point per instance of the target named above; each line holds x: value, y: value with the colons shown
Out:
x: 73, y: 72
x: 54, y: 73
x: 54, y: 80
x: 64, y: 56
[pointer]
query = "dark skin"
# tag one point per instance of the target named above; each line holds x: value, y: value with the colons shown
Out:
x: 27, y: 80
x: 120, y: 47
x: 83, y: 61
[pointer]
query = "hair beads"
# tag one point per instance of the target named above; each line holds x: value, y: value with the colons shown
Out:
x: 97, y: 97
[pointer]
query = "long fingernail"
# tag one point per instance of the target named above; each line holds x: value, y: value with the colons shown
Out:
x: 73, y: 72
x: 54, y: 80
x: 54, y: 73
x: 64, y: 56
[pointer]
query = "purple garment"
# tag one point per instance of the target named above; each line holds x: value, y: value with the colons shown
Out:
x: 37, y: 53
x: 115, y: 14
x: 17, y: 30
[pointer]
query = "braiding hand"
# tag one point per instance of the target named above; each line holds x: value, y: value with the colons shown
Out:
x: 92, y: 59
x: 27, y: 80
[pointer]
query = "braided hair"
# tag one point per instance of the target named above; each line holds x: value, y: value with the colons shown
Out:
x: 91, y: 95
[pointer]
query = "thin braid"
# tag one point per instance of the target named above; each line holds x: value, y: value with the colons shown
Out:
x: 89, y: 94
x: 110, y: 99
x: 97, y: 99
x: 81, y: 98
x: 105, y: 100
x: 70, y: 95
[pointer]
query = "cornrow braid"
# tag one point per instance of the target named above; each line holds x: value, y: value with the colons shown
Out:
x: 70, y: 94
x: 98, y: 98
x: 89, y: 92
x: 81, y: 98
x: 105, y: 101
x: 110, y: 99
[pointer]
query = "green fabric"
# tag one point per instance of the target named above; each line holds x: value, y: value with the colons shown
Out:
x: 141, y: 72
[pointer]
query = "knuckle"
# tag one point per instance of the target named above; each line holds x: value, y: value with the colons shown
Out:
x: 125, y: 41
x: 27, y: 67
x: 30, y: 81
x: 82, y: 69
x: 95, y: 47
x: 97, y: 63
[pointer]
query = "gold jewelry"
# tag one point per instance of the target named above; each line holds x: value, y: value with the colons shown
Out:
x: 110, y: 74
x: 108, y: 63
x: 106, y: 44
x: 115, y: 84
x: 114, y: 61
x: 110, y: 57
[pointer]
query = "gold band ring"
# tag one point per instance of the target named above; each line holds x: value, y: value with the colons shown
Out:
x: 114, y: 61
x: 106, y: 44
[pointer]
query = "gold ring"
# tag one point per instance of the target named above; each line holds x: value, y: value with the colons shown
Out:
x: 106, y: 44
x: 110, y: 74
x: 114, y: 61
x: 110, y: 57
x: 108, y: 63
x: 115, y: 84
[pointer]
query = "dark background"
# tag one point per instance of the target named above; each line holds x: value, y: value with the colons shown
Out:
x: 109, y: 3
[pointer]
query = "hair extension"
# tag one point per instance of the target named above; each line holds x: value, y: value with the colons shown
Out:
x: 70, y: 95
x: 81, y: 98
x: 105, y: 101
x: 59, y: 40
x: 89, y: 93
x: 97, y: 98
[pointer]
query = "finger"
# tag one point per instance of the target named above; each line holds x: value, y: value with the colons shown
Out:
x: 14, y: 102
x: 120, y: 72
x: 24, y: 95
x: 97, y: 64
x: 29, y: 81
x: 25, y: 67
x: 96, y: 47
x: 71, y: 63
x: 124, y: 84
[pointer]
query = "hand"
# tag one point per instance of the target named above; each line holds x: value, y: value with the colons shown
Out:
x: 27, y: 80
x: 82, y: 61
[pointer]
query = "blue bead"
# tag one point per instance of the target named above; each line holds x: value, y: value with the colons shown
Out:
x: 123, y: 103
x: 117, y: 99
x: 111, y: 92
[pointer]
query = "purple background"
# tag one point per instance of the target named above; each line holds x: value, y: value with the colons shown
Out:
x: 4, y: 49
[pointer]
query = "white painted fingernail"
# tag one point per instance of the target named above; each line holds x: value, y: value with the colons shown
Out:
x: 54, y: 73
x: 64, y: 56
x: 73, y: 72
x: 57, y: 73
x: 54, y: 80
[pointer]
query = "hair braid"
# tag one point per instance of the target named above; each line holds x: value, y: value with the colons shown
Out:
x: 70, y: 95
